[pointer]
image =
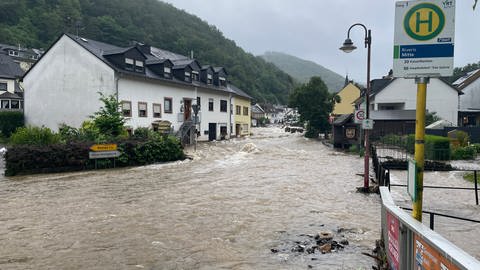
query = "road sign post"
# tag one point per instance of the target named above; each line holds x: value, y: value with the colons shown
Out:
x: 423, y: 48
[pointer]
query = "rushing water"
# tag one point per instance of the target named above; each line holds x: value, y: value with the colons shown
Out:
x: 225, y: 209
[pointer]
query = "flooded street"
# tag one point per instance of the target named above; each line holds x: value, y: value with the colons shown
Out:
x: 225, y: 209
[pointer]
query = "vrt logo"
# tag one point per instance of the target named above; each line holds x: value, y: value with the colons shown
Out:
x: 447, y: 3
x: 424, y: 21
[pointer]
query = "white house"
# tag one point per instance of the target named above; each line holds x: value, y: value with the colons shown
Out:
x: 153, y: 85
x: 401, y: 94
x: 11, y: 94
x: 469, y: 103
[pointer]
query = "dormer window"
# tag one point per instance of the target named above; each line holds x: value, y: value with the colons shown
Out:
x: 188, y: 77
x: 129, y: 64
x: 12, y: 53
x: 195, y: 76
x: 138, y: 66
x: 209, y: 79
x: 167, y: 72
x: 223, y: 81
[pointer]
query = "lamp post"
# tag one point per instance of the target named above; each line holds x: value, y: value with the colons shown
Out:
x: 349, y: 47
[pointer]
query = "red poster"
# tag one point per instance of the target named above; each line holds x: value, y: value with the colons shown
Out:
x: 393, y: 248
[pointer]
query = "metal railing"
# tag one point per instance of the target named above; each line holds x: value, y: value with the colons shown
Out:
x: 409, y: 244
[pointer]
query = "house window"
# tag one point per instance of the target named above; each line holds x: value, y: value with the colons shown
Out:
x: 210, y: 104
x: 245, y: 110
x: 157, y: 110
x: 142, y: 109
x: 5, y: 104
x: 223, y: 105
x: 199, y: 103
x: 3, y: 86
x: 209, y: 79
x: 238, y: 110
x: 13, y: 53
x: 195, y: 75
x: 34, y: 57
x: 223, y: 81
x: 167, y: 105
x: 14, y: 104
x: 244, y: 128
x: 126, y: 108
x: 129, y: 64
x: 167, y: 72
x: 188, y: 77
x: 139, y: 66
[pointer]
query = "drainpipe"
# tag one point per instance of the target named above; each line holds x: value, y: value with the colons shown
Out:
x: 230, y: 117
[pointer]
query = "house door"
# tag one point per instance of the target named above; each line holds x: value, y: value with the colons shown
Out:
x: 237, y: 129
x: 187, y: 109
x: 212, y: 131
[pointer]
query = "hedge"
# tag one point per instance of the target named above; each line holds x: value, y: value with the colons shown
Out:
x: 10, y: 121
x: 29, y: 159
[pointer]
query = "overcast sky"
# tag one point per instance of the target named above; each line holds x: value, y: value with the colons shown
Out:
x: 315, y: 29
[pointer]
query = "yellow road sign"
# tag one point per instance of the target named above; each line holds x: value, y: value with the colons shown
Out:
x: 103, y: 147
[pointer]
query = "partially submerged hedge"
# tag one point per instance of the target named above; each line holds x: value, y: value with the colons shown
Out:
x: 28, y: 159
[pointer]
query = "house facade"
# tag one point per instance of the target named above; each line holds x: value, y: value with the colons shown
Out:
x: 401, y: 94
x: 153, y: 86
x: 469, y: 102
x: 242, y: 112
x: 347, y: 95
x: 11, y: 93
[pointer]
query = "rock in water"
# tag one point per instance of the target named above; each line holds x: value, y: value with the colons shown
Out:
x: 249, y: 148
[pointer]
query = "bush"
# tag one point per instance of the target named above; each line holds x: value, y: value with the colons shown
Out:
x: 468, y: 152
x: 42, y: 158
x: 437, y: 147
x: 476, y: 146
x: 34, y: 136
x: 10, y: 121
x: 25, y: 158
x: 462, y: 138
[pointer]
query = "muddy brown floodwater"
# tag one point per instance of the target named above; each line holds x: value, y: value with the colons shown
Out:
x: 225, y: 209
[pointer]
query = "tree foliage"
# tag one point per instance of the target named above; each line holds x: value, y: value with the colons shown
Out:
x: 38, y: 23
x: 109, y: 119
x: 459, y: 72
x: 314, y: 104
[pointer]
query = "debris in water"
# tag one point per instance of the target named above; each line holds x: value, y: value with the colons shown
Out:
x: 320, y: 243
x: 249, y: 148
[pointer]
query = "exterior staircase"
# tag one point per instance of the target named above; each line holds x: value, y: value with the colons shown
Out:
x: 186, y: 132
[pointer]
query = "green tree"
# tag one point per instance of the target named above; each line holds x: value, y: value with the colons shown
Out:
x: 431, y: 117
x: 109, y: 119
x: 314, y: 104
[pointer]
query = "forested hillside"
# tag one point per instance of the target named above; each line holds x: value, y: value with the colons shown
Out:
x: 303, y: 70
x: 37, y: 23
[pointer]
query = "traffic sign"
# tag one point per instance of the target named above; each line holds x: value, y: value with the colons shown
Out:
x: 103, y: 154
x: 103, y: 147
x: 359, y: 116
x: 412, y: 179
x: 424, y: 38
x: 367, y: 124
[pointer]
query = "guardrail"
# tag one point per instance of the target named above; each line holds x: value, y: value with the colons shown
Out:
x: 409, y: 244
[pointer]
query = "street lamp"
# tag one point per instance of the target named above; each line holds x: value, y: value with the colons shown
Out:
x: 349, y: 47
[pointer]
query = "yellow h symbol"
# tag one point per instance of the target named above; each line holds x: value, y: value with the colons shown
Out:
x: 428, y: 21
